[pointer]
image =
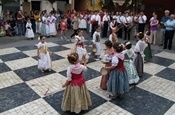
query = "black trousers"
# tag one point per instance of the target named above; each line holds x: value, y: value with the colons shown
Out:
x: 127, y: 33
x: 120, y: 33
x: 75, y: 33
x: 141, y: 27
x: 93, y: 29
x: 105, y: 30
x: 169, y: 34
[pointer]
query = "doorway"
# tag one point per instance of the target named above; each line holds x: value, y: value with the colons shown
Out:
x: 35, y: 5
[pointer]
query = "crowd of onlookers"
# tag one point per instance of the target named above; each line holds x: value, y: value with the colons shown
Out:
x: 47, y: 23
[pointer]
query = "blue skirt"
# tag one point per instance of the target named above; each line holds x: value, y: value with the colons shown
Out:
x: 118, y: 82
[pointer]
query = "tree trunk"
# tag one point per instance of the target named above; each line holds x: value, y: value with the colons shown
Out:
x: 110, y: 5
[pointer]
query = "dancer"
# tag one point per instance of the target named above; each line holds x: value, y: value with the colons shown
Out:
x: 147, y: 51
x: 129, y: 64
x: 96, y: 42
x: 80, y: 48
x: 29, y: 31
x: 52, y: 26
x: 107, y: 61
x: 44, y: 60
x: 139, y: 57
x: 76, y: 95
x: 113, y: 36
x: 63, y: 26
x: 118, y: 79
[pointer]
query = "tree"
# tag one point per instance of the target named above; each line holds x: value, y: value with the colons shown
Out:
x: 109, y: 5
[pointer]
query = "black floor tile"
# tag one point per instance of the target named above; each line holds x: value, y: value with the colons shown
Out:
x: 57, y: 48
x: 167, y: 73
x: 144, y: 77
x: 53, y: 56
x: 88, y: 75
x: 162, y: 61
x: 63, y: 42
x: 141, y: 102
x: 15, y: 96
x: 13, y: 56
x: 25, y: 48
x: 4, y: 68
x: 30, y: 73
x: 56, y: 100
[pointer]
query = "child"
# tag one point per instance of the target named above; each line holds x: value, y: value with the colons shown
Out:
x: 129, y: 64
x: 147, y: 51
x: 118, y: 79
x: 63, y: 27
x: 7, y: 29
x: 76, y: 96
x: 80, y: 48
x: 107, y: 61
x: 139, y: 57
x: 44, y: 60
x: 96, y: 43
x: 113, y: 36
x: 29, y: 31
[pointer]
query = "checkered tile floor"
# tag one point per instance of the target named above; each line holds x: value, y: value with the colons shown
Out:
x: 24, y: 90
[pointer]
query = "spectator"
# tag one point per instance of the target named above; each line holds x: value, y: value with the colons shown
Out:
x: 162, y: 31
x: 169, y: 32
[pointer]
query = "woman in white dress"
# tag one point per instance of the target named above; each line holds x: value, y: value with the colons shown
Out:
x: 43, y: 25
x: 44, y: 60
x: 80, y: 48
x: 82, y: 22
x: 29, y: 31
x: 52, y: 26
x: 139, y: 54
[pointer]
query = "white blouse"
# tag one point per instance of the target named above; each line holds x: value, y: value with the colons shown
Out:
x: 107, y: 58
x: 76, y: 69
x: 94, y: 36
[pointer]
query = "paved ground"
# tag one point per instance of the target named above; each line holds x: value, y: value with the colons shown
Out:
x: 23, y: 87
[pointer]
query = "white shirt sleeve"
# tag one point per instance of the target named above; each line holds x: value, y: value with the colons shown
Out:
x: 110, y: 37
x: 99, y: 20
x: 144, y: 18
x: 115, y: 61
x: 84, y: 68
x: 69, y: 75
x: 94, y: 38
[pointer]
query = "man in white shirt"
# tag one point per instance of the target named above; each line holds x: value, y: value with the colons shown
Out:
x: 120, y: 24
x: 105, y: 22
x: 141, y: 22
x: 169, y: 32
x: 127, y: 21
x: 95, y: 21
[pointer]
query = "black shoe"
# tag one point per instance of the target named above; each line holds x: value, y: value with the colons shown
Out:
x: 164, y: 48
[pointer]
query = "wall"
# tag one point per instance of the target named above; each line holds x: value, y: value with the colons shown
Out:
x: 96, y: 6
x: 61, y: 5
x: 159, y: 6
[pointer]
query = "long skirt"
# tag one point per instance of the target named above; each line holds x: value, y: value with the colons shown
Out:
x: 131, y: 72
x: 148, y: 53
x: 138, y: 61
x: 29, y: 33
x: 52, y: 29
x: 104, y: 80
x: 82, y: 51
x: 43, y: 29
x: 76, y: 98
x: 45, y: 61
x: 118, y: 82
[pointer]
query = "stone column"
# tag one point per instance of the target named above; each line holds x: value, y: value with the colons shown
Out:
x: 0, y: 10
x: 46, y: 5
